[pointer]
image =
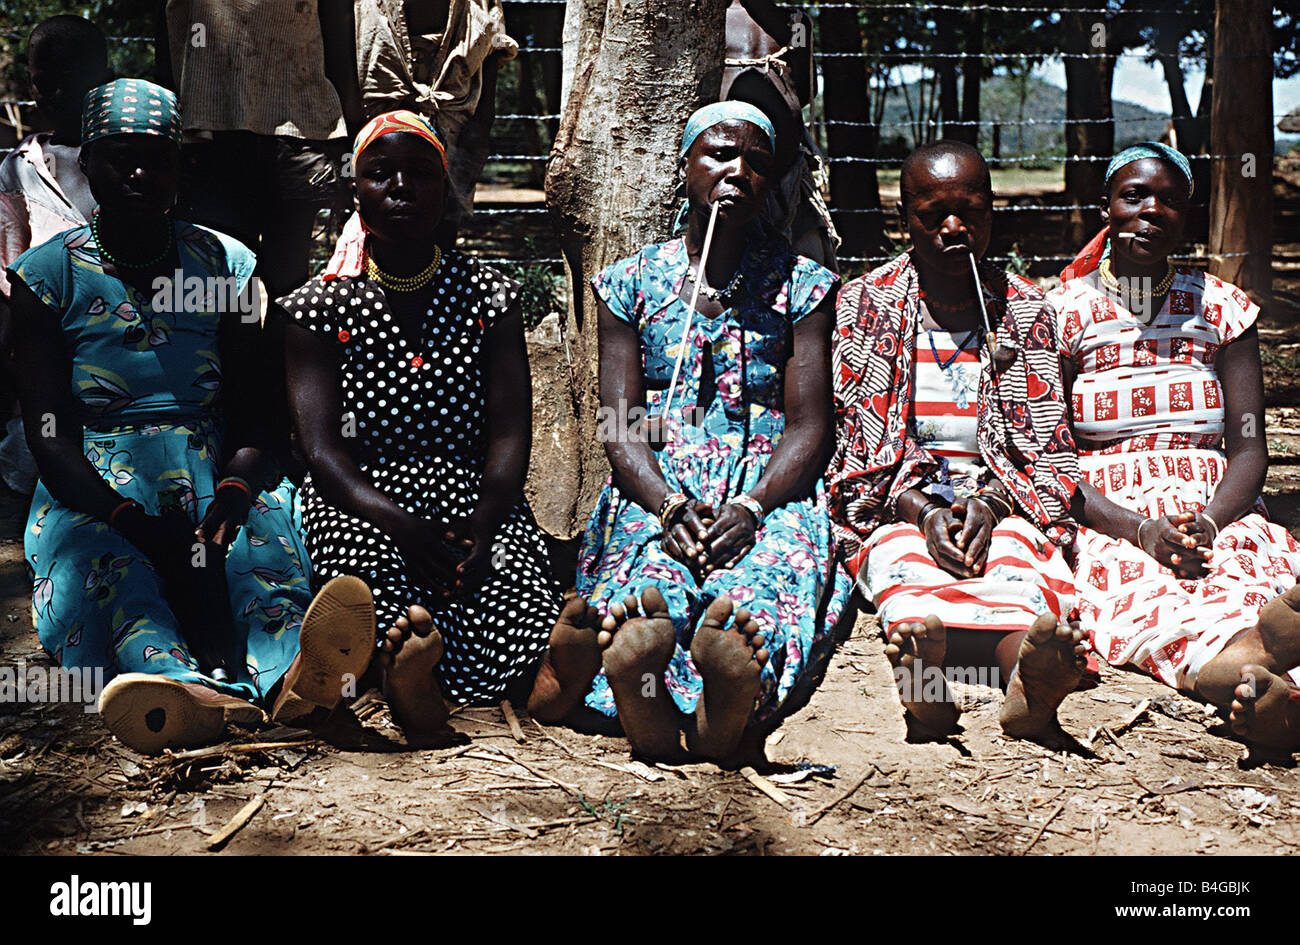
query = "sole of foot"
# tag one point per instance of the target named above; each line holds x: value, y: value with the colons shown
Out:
x: 412, y: 648
x: 1263, y: 714
x: 572, y: 660
x: 730, y: 660
x: 336, y: 644
x: 1052, y: 660
x: 929, y: 708
x: 641, y: 643
x: 152, y: 713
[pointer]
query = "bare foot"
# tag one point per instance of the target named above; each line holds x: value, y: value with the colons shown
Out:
x: 1052, y: 659
x: 572, y: 661
x: 408, y: 652
x: 730, y: 662
x: 1262, y: 712
x: 1279, y: 629
x: 1273, y: 643
x: 916, y: 651
x: 635, y: 661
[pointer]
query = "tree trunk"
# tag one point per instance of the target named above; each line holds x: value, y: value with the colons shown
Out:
x: 846, y: 98
x: 972, y: 72
x: 639, y: 70
x: 1087, y: 96
x: 946, y: 68
x: 1241, y: 187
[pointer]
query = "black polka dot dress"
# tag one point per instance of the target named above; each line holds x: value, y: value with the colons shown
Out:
x: 414, y: 419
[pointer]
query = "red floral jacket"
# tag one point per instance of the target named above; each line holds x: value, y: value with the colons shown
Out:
x: 1024, y: 425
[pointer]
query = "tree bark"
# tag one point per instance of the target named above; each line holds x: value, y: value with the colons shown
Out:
x: 847, y: 99
x: 1241, y: 187
x: 639, y: 70
x: 1087, y: 96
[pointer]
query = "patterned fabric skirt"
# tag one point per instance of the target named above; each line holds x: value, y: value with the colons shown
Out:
x: 492, y: 637
x: 97, y: 601
x: 1136, y: 611
x: 1025, y: 576
x: 789, y: 581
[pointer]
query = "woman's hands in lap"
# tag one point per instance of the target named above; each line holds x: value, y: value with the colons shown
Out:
x: 958, y: 536
x: 1181, y: 543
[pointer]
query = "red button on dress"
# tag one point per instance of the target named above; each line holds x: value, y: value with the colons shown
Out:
x: 344, y: 335
x: 417, y: 362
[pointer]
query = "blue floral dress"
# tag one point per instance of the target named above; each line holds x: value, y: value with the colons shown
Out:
x: 147, y: 383
x: 790, y: 580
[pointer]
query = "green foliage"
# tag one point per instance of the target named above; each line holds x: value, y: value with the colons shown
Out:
x: 121, y: 18
x: 541, y: 285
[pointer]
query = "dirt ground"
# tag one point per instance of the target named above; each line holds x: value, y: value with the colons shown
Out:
x: 1153, y: 772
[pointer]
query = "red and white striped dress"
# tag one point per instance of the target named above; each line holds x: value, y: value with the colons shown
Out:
x: 1025, y: 574
x: 1148, y: 418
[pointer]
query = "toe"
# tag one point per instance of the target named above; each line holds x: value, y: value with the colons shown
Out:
x: 761, y: 657
x: 617, y: 613
x: 630, y: 605
x: 421, y: 621
x: 653, y: 603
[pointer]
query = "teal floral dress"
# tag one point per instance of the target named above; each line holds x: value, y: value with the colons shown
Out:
x: 789, y: 580
x: 147, y: 382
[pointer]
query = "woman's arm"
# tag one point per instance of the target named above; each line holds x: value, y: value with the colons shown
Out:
x: 509, y: 396
x: 43, y: 371
x: 1242, y: 378
x: 636, y: 471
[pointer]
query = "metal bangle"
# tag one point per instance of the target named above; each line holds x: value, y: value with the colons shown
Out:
x: 1139, y: 534
x: 1206, y: 516
x: 926, y: 513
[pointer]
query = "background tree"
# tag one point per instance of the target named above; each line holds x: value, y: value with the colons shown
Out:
x: 639, y: 70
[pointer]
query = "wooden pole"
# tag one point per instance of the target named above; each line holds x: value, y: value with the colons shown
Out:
x: 1241, y: 125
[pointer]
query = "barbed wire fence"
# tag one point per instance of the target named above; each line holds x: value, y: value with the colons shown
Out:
x: 500, y: 162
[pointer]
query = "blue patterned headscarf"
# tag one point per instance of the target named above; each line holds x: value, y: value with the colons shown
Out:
x: 718, y: 112
x: 1151, y: 149
x: 130, y: 106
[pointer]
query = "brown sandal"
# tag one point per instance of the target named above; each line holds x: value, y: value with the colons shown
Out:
x: 336, y: 644
x: 150, y: 713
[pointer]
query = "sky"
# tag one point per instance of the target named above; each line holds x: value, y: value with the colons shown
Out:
x: 1143, y: 84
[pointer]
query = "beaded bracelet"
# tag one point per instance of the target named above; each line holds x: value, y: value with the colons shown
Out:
x: 750, y: 505
x: 238, y: 484
x: 671, y: 505
x: 112, y: 516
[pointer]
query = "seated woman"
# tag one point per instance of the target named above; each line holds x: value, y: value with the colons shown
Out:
x: 141, y: 397
x: 723, y: 535
x: 954, y: 470
x: 1179, y: 571
x: 409, y: 386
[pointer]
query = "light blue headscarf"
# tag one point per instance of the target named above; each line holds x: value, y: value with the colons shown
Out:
x: 1151, y: 149
x: 718, y: 112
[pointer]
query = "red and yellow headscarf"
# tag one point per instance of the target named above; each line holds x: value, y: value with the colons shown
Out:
x: 350, y: 252
x: 398, y: 122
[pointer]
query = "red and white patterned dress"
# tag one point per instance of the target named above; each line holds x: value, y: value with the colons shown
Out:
x: 1148, y: 419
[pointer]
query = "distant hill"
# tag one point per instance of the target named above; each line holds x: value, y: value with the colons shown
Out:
x: 1000, y: 100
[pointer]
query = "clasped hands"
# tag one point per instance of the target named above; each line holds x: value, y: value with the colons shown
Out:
x: 1183, y: 543
x: 707, y: 539
x: 957, y: 535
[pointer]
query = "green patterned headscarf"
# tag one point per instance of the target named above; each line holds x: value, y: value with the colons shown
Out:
x: 130, y: 107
